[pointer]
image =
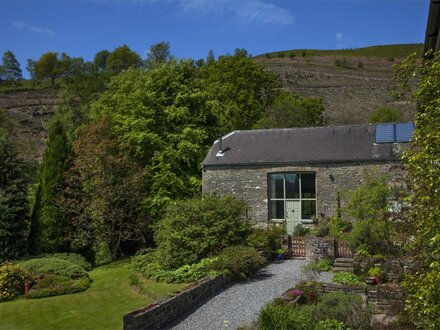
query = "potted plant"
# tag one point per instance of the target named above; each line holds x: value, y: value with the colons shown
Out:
x: 280, y: 253
x: 377, y: 274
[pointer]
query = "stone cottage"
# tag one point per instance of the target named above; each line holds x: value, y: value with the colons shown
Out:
x: 293, y: 175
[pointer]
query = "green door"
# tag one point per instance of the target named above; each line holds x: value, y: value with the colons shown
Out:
x: 293, y: 215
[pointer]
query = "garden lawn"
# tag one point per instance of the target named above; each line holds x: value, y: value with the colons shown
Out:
x: 102, y: 306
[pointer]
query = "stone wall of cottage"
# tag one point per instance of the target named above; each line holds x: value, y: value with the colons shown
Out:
x: 250, y: 183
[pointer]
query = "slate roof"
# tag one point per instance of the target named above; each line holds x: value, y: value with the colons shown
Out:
x: 353, y: 143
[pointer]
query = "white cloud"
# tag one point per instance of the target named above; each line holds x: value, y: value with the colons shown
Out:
x: 243, y: 12
x: 19, y: 24
x: 339, y: 36
x: 41, y: 30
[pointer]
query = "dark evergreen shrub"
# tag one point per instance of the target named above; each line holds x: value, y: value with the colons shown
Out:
x: 197, y: 228
x: 239, y: 262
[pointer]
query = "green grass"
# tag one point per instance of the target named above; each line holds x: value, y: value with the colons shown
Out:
x: 385, y: 51
x: 102, y: 306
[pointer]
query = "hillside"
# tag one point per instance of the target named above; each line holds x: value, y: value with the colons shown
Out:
x: 351, y: 89
x: 29, y: 111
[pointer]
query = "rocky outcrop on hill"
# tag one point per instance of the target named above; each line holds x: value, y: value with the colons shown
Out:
x: 30, y: 111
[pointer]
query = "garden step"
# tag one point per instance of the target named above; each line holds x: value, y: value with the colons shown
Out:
x: 344, y: 260
x: 343, y: 269
x: 342, y: 264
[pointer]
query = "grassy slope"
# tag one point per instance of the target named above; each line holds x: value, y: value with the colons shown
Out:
x: 385, y: 51
x: 100, y: 307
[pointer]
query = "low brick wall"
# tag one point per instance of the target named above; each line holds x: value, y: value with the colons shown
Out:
x: 160, y: 313
x: 383, y: 298
x: 318, y: 248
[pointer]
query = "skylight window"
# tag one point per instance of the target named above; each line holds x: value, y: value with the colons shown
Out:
x: 392, y: 133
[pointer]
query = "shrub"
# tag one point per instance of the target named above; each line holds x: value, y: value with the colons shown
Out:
x: 322, y: 229
x: 347, y: 278
x: 12, y: 279
x: 300, y: 230
x: 54, y: 285
x: 292, y: 54
x: 183, y: 274
x: 338, y: 227
x: 385, y: 114
x: 282, y: 316
x: 323, y: 265
x: 330, y: 324
x: 342, y: 63
x: 310, y: 289
x: 360, y: 65
x: 74, y: 258
x: 280, y: 55
x: 375, y: 272
x: 198, y: 228
x: 238, y: 261
x: 347, y: 308
x: 267, y: 240
x: 53, y: 265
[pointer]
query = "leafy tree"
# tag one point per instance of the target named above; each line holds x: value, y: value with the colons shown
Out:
x: 210, y: 58
x: 163, y: 117
x: 121, y: 59
x: 423, y: 164
x: 385, y: 114
x: 14, y: 219
x: 50, y: 66
x: 11, y: 68
x: 104, y: 194
x: 240, y: 91
x: 100, y: 60
x: 159, y: 53
x: 241, y: 52
x: 51, y: 223
x: 289, y: 110
x: 30, y: 67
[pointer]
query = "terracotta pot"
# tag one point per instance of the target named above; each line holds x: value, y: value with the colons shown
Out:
x: 370, y: 280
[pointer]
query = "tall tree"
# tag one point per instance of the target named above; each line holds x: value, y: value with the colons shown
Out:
x: 30, y: 67
x: 210, y: 58
x: 289, y: 110
x: 121, y: 59
x: 14, y: 219
x: 50, y: 66
x: 11, y: 68
x: 51, y: 223
x: 159, y: 53
x: 163, y: 117
x: 240, y: 90
x: 106, y: 212
x: 100, y: 60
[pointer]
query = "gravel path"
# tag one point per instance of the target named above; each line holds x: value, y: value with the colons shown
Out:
x: 241, y: 303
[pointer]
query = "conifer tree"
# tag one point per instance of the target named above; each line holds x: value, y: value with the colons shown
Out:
x: 14, y: 221
x: 50, y: 223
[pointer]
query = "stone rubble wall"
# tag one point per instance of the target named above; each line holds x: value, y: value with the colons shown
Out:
x: 250, y: 183
x: 161, y: 313
x: 318, y: 248
x: 383, y: 298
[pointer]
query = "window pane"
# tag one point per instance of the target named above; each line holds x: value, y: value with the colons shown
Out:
x: 292, y: 185
x: 276, y: 186
x: 308, y: 209
x: 308, y: 186
x: 277, y: 209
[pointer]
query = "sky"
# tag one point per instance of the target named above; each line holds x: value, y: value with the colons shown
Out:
x: 81, y: 28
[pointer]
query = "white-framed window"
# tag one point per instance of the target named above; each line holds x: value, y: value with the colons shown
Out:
x: 292, y: 186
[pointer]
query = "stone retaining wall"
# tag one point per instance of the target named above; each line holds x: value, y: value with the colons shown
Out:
x: 383, y: 298
x: 160, y: 313
x: 318, y: 248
